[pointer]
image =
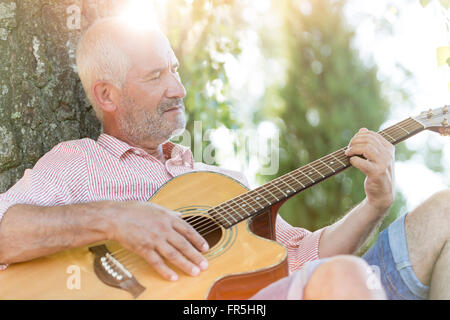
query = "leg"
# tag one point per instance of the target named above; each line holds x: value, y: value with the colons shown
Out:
x: 342, y: 277
x: 440, y: 280
x: 427, y: 231
x: 412, y: 253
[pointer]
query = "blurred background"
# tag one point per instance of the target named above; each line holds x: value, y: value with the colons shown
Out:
x: 303, y: 74
x: 313, y: 72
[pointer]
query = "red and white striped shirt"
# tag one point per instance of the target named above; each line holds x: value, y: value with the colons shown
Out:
x: 85, y: 170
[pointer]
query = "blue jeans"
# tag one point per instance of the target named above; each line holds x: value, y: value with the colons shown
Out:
x: 390, y: 254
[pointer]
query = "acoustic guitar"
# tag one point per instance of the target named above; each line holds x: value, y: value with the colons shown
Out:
x: 239, y: 225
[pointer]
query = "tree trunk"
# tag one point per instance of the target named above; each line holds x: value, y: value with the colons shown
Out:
x: 42, y: 101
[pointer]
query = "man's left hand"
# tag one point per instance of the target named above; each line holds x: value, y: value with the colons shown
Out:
x: 378, y: 166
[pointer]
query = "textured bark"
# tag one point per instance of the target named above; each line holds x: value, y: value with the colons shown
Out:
x: 42, y: 101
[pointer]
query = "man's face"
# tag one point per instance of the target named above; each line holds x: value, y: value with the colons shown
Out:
x: 151, y: 102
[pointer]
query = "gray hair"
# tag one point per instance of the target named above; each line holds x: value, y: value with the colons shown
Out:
x: 99, y: 57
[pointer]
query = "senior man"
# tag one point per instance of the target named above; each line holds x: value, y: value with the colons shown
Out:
x: 85, y: 191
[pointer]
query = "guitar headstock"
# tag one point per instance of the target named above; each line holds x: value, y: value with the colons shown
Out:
x: 436, y: 120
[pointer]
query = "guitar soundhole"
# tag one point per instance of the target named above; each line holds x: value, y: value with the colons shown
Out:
x: 206, y: 227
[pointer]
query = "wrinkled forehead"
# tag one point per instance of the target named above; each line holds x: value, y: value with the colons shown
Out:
x: 148, y: 51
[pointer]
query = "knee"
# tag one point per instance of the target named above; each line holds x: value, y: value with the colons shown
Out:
x: 343, y: 277
x: 434, y: 212
x: 441, y: 200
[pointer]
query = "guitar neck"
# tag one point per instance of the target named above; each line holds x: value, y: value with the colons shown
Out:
x: 259, y: 199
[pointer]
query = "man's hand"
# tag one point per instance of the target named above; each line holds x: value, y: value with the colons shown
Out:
x: 155, y: 232
x: 378, y: 166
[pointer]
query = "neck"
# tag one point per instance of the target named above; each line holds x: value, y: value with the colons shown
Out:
x: 153, y: 148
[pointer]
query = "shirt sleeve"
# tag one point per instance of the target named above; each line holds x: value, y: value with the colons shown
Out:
x: 58, y: 178
x: 302, y: 245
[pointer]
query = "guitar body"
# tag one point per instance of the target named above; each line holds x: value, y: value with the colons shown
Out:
x: 242, y: 259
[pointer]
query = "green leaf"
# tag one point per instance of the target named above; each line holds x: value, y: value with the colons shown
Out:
x: 445, y: 3
x: 424, y: 3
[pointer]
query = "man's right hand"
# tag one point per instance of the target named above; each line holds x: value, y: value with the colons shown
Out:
x: 155, y: 232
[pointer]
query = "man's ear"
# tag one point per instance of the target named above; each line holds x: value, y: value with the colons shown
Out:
x: 106, y: 95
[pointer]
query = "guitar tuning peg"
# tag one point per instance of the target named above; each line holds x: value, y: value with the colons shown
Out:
x: 445, y: 131
x: 429, y: 114
x: 445, y: 109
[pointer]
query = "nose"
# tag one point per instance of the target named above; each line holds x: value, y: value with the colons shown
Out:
x: 175, y: 88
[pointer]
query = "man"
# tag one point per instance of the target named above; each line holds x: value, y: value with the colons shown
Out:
x: 85, y: 191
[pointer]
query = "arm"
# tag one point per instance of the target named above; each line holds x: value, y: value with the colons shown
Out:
x: 348, y: 234
x: 154, y: 232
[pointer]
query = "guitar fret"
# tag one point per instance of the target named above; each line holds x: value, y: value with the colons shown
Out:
x: 234, y: 201
x: 293, y: 177
x: 273, y: 184
x: 215, y: 210
x: 248, y: 204
x: 398, y: 126
x: 254, y: 200
x: 316, y: 171
x: 392, y: 139
x: 299, y: 170
x: 327, y: 165
x: 290, y: 188
x: 272, y: 194
x: 338, y: 160
x: 259, y: 196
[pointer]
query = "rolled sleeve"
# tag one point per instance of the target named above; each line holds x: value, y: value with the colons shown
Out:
x: 4, y: 206
x: 301, y: 244
x: 58, y: 178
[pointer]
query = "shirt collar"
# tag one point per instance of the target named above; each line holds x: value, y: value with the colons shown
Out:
x: 172, y: 151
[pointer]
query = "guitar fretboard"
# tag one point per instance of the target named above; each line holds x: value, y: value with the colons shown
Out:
x: 259, y: 199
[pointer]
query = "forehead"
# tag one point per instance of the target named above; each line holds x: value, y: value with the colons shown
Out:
x: 149, y: 51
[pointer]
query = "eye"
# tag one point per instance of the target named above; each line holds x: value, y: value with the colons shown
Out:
x: 155, y: 76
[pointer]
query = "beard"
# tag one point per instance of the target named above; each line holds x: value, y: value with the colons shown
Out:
x: 140, y: 125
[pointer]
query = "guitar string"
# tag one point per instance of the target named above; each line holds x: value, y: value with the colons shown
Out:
x: 414, y: 124
x: 213, y: 224
x: 291, y: 178
x: 323, y: 165
x: 396, y: 127
x: 273, y: 188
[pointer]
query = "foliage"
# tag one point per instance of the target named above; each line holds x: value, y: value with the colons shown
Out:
x: 328, y: 95
x: 202, y: 33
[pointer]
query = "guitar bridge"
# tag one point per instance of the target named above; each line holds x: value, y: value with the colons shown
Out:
x: 112, y: 273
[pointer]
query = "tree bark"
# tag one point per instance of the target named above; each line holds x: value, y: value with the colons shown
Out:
x: 42, y: 101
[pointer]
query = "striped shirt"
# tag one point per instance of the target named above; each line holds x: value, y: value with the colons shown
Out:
x: 86, y: 170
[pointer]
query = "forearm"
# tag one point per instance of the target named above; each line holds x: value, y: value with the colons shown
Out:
x: 28, y: 232
x: 347, y: 235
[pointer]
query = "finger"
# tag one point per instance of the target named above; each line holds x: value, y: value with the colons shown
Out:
x: 369, y: 152
x: 370, y: 149
x: 377, y: 137
x: 186, y: 248
x: 384, y: 140
x: 177, y: 258
x: 374, y: 139
x: 191, y: 234
x: 367, y: 167
x: 155, y: 260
